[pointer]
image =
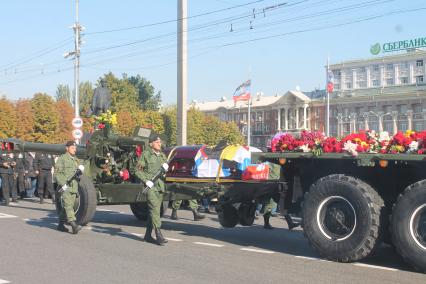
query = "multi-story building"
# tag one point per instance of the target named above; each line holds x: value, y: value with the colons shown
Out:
x: 382, y: 93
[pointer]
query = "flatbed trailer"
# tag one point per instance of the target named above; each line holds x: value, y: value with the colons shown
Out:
x: 350, y: 204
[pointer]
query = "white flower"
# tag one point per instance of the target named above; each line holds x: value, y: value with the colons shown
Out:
x: 350, y: 148
x: 384, y: 136
x: 414, y: 146
x: 304, y: 148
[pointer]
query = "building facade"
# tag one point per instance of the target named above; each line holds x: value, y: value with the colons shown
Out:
x: 383, y: 94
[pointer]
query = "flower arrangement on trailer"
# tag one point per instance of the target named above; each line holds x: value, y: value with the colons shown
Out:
x: 410, y: 142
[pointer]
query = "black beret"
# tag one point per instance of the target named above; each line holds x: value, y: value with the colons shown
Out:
x: 154, y: 137
x: 71, y: 143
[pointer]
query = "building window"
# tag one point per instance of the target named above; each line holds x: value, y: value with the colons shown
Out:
x: 387, y: 108
x: 337, y: 86
x: 419, y: 79
x: 362, y: 84
x: 362, y: 69
x: 389, y: 67
x: 346, y: 111
x: 376, y: 83
x: 402, y: 109
x: 417, y: 108
x: 348, y: 85
x: 418, y: 126
x: 405, y: 65
x: 376, y: 68
x: 389, y: 82
x: 337, y: 73
x: 404, y: 80
x: 419, y: 63
x: 358, y: 110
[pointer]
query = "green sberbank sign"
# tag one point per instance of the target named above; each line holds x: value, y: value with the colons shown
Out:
x: 398, y: 45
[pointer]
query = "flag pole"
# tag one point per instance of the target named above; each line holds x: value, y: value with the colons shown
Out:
x: 248, y: 122
x: 328, y: 100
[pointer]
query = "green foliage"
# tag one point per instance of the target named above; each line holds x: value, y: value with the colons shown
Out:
x: 85, y: 97
x: 147, y: 98
x: 170, y: 125
x: 63, y: 93
x: 46, y: 118
x: 25, y: 117
x: 8, y: 122
x: 124, y: 95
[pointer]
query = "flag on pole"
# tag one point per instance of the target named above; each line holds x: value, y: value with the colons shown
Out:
x: 330, y: 81
x: 242, y: 93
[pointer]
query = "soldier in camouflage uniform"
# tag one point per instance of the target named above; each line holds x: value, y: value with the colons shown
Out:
x: 65, y: 168
x: 147, y: 166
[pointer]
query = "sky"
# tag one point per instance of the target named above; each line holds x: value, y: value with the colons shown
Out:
x: 280, y: 45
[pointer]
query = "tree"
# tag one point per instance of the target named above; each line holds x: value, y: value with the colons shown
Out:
x: 46, y: 118
x: 66, y: 114
x: 147, y: 98
x: 125, y: 123
x: 170, y: 124
x: 124, y: 95
x: 85, y: 97
x: 8, y: 122
x: 63, y: 93
x: 25, y: 118
x: 195, y: 120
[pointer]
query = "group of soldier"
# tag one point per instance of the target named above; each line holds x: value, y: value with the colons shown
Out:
x: 24, y: 174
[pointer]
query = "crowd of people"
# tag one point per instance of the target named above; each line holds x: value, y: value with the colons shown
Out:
x: 26, y: 175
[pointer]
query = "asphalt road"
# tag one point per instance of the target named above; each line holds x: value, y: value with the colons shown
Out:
x: 110, y: 250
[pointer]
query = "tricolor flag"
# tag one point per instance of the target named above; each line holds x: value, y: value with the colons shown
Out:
x: 242, y: 93
x: 330, y: 81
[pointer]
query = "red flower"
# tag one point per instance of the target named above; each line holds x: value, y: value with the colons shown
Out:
x: 101, y: 126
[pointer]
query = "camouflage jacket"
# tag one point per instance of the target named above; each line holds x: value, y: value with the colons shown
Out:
x: 64, y: 169
x: 148, y: 165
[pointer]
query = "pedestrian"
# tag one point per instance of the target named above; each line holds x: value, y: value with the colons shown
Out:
x: 30, y: 174
x: 147, y: 166
x: 7, y: 163
x: 20, y: 175
x: 66, y: 166
x: 43, y: 163
x: 193, y: 204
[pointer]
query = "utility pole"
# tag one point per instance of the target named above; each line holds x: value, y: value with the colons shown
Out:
x: 182, y: 70
x: 76, y: 54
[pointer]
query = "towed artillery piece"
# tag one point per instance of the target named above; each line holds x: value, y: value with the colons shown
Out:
x: 109, y: 177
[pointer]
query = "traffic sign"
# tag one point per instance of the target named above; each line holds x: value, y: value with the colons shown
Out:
x: 77, y: 133
x: 77, y: 122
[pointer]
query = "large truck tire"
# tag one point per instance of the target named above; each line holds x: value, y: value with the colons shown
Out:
x: 408, y: 225
x: 140, y: 210
x: 228, y: 216
x: 341, y: 218
x: 85, y: 204
x: 246, y: 214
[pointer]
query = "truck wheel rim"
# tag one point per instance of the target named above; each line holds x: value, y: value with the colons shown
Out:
x: 336, y: 218
x: 418, y: 226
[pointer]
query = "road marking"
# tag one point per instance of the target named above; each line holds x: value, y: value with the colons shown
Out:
x: 88, y: 227
x: 257, y: 250
x: 3, y: 215
x: 137, y: 235
x: 374, y: 266
x: 174, y: 240
x: 4, y: 281
x: 208, y: 244
x: 105, y: 210
x: 307, y: 257
x: 27, y: 220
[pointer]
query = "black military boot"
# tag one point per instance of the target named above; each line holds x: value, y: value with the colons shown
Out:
x: 160, y: 240
x: 62, y: 228
x: 198, y: 216
x: 75, y: 227
x: 174, y: 215
x: 15, y: 200
x: 266, y: 224
x: 148, y: 238
x: 291, y: 224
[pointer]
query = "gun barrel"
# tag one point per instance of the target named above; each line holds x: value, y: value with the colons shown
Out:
x: 16, y: 145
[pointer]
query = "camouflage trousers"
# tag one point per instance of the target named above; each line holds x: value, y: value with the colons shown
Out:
x: 193, y: 204
x: 67, y: 211
x: 155, y: 199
